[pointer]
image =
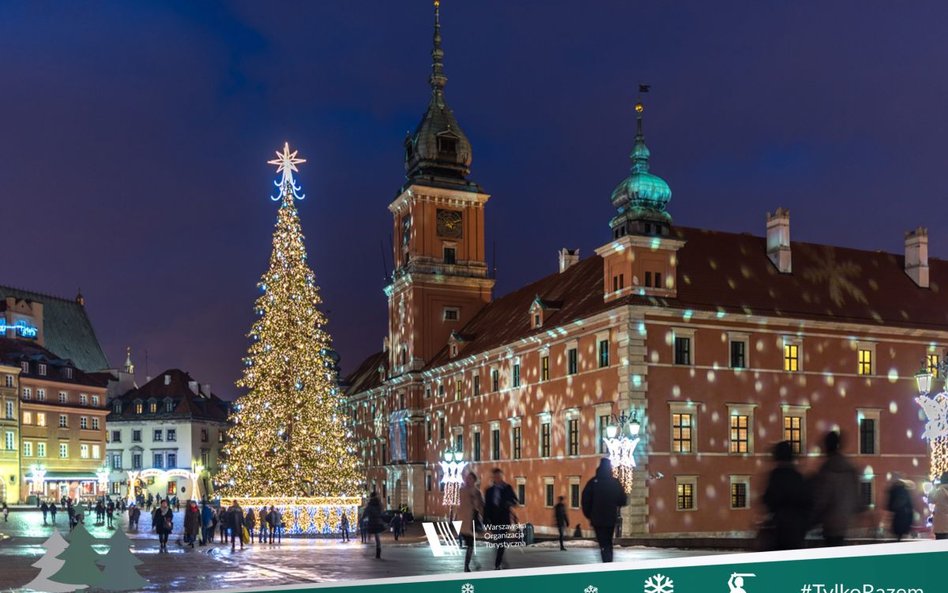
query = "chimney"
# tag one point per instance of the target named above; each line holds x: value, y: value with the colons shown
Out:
x: 916, y: 256
x: 568, y: 257
x: 193, y: 386
x: 167, y: 379
x: 778, y: 239
x: 207, y: 390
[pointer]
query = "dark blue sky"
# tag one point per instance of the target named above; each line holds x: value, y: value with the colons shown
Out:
x: 134, y: 139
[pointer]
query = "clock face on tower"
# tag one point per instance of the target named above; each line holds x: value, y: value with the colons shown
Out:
x: 449, y: 223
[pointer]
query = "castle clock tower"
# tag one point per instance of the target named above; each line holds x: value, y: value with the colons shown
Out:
x: 441, y: 279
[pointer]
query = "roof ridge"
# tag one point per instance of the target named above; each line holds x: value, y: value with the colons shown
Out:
x: 41, y: 294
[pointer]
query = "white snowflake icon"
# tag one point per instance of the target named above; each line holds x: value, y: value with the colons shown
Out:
x: 591, y: 589
x: 467, y: 588
x: 659, y: 584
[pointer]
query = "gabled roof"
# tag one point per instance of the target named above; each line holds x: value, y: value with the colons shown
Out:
x: 188, y: 404
x: 66, y: 328
x: 367, y: 376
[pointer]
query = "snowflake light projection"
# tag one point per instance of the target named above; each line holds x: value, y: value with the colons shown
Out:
x: 467, y: 588
x: 591, y: 589
x: 659, y: 584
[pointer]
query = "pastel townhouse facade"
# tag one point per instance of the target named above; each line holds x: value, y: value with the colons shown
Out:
x: 719, y: 344
x: 165, y: 438
x: 10, y: 474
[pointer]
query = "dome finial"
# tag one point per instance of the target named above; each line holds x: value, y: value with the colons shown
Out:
x: 438, y: 79
x: 640, y: 152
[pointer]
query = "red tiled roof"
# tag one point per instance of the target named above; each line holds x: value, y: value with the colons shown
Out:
x: 728, y: 273
x: 366, y: 377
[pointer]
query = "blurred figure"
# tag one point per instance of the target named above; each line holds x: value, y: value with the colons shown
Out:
x: 397, y: 525
x: 836, y: 492
x: 250, y: 522
x: 498, y: 512
x: 52, y: 512
x: 562, y: 521
x: 207, y: 524
x: 344, y: 527
x: 235, y: 525
x: 900, y: 505
x: 45, y: 509
x: 939, y: 498
x: 373, y: 521
x: 471, y: 505
x: 787, y: 502
x: 602, y: 498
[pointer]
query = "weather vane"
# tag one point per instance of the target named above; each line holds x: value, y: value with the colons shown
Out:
x: 286, y: 162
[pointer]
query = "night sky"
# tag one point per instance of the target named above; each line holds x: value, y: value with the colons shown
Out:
x: 134, y: 141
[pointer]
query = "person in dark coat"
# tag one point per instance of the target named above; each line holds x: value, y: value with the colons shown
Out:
x: 373, y: 520
x: 192, y: 523
x: 207, y: 524
x: 344, y: 526
x: 162, y: 520
x: 235, y: 524
x: 901, y: 507
x: 835, y: 492
x: 562, y: 521
x: 499, y: 502
x: 787, y: 503
x: 45, y: 509
x: 264, y: 516
x: 250, y: 522
x: 52, y: 512
x: 397, y: 525
x: 601, y: 500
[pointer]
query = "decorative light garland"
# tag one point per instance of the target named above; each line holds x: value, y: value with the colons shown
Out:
x: 621, y: 440
x: 307, y: 516
x: 452, y: 468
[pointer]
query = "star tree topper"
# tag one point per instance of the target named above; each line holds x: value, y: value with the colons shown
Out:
x: 286, y: 162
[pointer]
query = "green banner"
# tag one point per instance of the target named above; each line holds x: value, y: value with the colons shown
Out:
x: 914, y: 567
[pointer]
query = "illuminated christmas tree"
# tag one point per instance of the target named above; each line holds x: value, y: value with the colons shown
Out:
x: 289, y: 434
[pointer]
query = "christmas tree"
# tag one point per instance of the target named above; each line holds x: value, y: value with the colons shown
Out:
x: 49, y: 565
x: 119, y: 564
x: 79, y: 560
x: 289, y: 434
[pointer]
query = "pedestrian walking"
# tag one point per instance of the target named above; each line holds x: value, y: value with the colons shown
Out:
x: 207, y: 524
x: 235, y: 524
x: 162, y: 521
x: 134, y: 516
x: 275, y: 519
x: 900, y: 505
x: 373, y: 518
x: 561, y: 520
x: 602, y: 498
x: 6, y: 512
x: 397, y: 525
x: 52, y: 512
x: 835, y: 492
x: 344, y: 526
x: 499, y: 502
x: 363, y: 526
x: 470, y: 510
x: 192, y: 523
x: 109, y: 512
x: 222, y: 522
x: 71, y: 511
x: 45, y: 509
x: 250, y: 522
x: 939, y: 498
x: 787, y: 502
x: 263, y: 515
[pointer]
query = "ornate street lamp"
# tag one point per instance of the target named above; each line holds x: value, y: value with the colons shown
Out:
x: 622, y: 437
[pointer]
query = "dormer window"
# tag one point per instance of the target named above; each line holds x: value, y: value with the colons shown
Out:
x: 117, y: 407
x: 152, y: 406
x: 169, y: 405
x: 448, y: 145
x: 41, y: 369
x: 139, y: 407
x: 67, y: 372
x: 538, y: 310
x: 25, y: 366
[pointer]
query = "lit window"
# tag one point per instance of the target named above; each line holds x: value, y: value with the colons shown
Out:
x: 739, y: 490
x: 517, y: 441
x: 740, y: 433
x: 545, y: 368
x: 933, y: 362
x: 791, y: 357
x: 27, y: 417
x: 682, y: 433
x: 457, y: 388
x: 793, y: 432
x: 139, y: 408
x: 545, y: 439
x: 572, y: 433
x: 865, y: 362
x: 96, y: 452
x: 685, y: 494
x: 152, y: 407
x: 83, y: 451
x: 41, y: 418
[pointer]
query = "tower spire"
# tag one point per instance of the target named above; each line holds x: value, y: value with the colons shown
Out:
x: 640, y: 151
x: 438, y: 79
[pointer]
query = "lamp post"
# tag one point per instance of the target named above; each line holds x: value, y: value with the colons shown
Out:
x: 936, y: 412
x: 622, y: 437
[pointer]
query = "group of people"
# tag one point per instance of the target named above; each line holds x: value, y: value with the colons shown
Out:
x: 830, y: 499
x: 202, y: 523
